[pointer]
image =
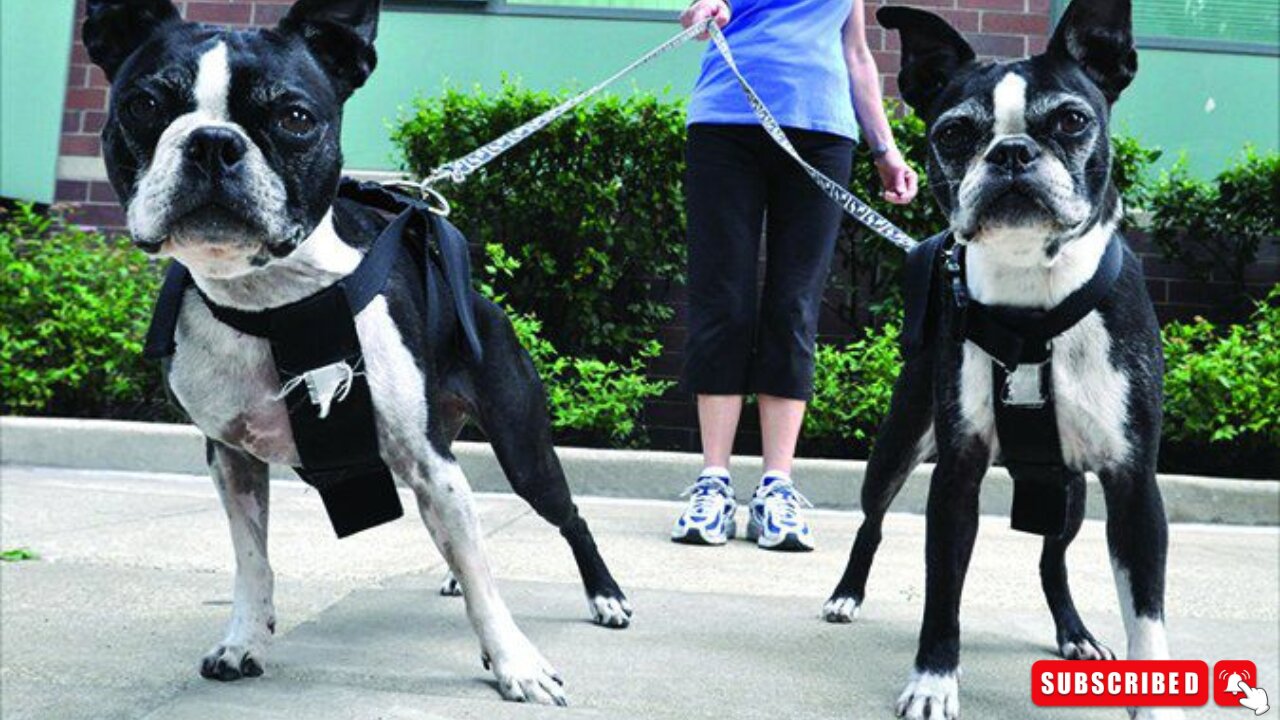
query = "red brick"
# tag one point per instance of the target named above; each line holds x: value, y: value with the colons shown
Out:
x: 1036, y: 44
x: 268, y: 14
x: 99, y: 216
x: 966, y: 21
x: 994, y: 22
x: 71, y: 121
x: 97, y: 78
x: 86, y: 99
x: 92, y: 121
x: 220, y: 13
x: 102, y: 192
x: 70, y: 191
x: 1001, y: 46
x: 78, y: 76
x: 81, y: 145
x: 1007, y: 5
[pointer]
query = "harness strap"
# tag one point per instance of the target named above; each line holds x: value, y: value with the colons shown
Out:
x: 920, y: 315
x: 1012, y: 336
x: 364, y: 284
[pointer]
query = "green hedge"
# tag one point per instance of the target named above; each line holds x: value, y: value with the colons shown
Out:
x: 1222, y: 384
x: 591, y: 208
x: 74, y: 308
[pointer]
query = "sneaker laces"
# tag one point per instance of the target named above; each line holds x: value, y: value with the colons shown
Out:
x: 705, y: 493
x: 782, y: 499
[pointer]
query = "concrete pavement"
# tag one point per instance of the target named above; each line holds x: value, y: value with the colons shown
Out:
x: 133, y: 585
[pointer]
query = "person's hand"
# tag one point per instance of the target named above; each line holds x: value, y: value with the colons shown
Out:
x: 703, y: 10
x: 899, y: 180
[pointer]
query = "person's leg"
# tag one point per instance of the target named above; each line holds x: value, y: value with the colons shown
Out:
x: 780, y: 421
x: 802, y: 227
x: 718, y: 424
x: 725, y: 192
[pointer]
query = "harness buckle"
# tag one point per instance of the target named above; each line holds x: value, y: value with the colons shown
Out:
x: 1024, y: 386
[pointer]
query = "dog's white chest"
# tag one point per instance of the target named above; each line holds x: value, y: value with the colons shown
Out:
x: 228, y: 383
x: 1090, y: 396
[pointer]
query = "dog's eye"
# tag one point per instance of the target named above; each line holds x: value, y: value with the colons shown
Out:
x: 1072, y: 122
x: 297, y: 121
x: 142, y: 107
x: 954, y: 135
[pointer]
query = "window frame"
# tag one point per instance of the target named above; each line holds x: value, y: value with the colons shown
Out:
x: 1159, y: 42
x: 504, y: 8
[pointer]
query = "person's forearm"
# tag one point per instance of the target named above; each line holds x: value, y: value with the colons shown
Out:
x: 868, y: 102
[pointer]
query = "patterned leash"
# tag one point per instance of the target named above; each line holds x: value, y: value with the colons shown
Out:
x: 459, y: 170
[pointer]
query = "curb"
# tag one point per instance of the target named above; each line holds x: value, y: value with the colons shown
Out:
x: 161, y: 448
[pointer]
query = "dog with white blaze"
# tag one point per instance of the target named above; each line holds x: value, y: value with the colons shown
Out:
x: 1029, y: 338
x: 317, y: 322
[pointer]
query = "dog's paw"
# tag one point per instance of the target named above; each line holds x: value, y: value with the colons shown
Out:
x: 841, y: 610
x: 929, y: 696
x: 1085, y: 647
x: 610, y: 611
x: 450, y: 587
x: 228, y: 662
x: 525, y: 676
x: 1156, y: 713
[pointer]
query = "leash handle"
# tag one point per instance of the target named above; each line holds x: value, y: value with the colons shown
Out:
x: 457, y: 171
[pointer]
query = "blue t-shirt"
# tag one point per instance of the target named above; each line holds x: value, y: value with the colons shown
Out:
x: 792, y: 53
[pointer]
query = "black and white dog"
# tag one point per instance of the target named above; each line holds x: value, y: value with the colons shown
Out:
x: 1020, y: 161
x: 224, y: 148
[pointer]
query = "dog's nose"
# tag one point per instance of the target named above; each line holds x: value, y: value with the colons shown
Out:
x: 218, y: 150
x: 1014, y: 154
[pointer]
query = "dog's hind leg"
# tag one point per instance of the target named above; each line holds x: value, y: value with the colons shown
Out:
x: 904, y: 440
x: 1075, y: 642
x: 1138, y: 538
x: 512, y: 408
x: 453, y: 420
x: 242, y: 482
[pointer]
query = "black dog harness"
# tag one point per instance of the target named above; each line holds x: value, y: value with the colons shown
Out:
x: 317, y: 352
x: 1020, y: 344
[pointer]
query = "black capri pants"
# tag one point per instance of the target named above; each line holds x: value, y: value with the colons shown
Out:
x: 738, y: 184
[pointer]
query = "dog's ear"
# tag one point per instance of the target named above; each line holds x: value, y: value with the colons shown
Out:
x: 1098, y: 36
x: 340, y: 33
x: 114, y: 29
x: 932, y: 52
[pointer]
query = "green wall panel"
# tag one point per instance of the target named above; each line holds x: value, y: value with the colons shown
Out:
x: 420, y: 51
x: 1207, y: 105
x: 35, y: 52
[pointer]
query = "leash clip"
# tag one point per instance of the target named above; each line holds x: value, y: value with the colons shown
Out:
x: 426, y: 192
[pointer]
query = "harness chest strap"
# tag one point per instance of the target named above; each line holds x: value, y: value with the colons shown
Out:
x: 1019, y: 342
x: 317, y: 354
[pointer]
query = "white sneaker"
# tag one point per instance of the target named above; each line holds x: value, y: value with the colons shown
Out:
x: 709, y: 518
x: 777, y: 522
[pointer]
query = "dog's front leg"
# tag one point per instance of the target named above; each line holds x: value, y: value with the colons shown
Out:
x: 242, y: 482
x: 1138, y: 538
x: 932, y: 692
x: 445, y: 502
